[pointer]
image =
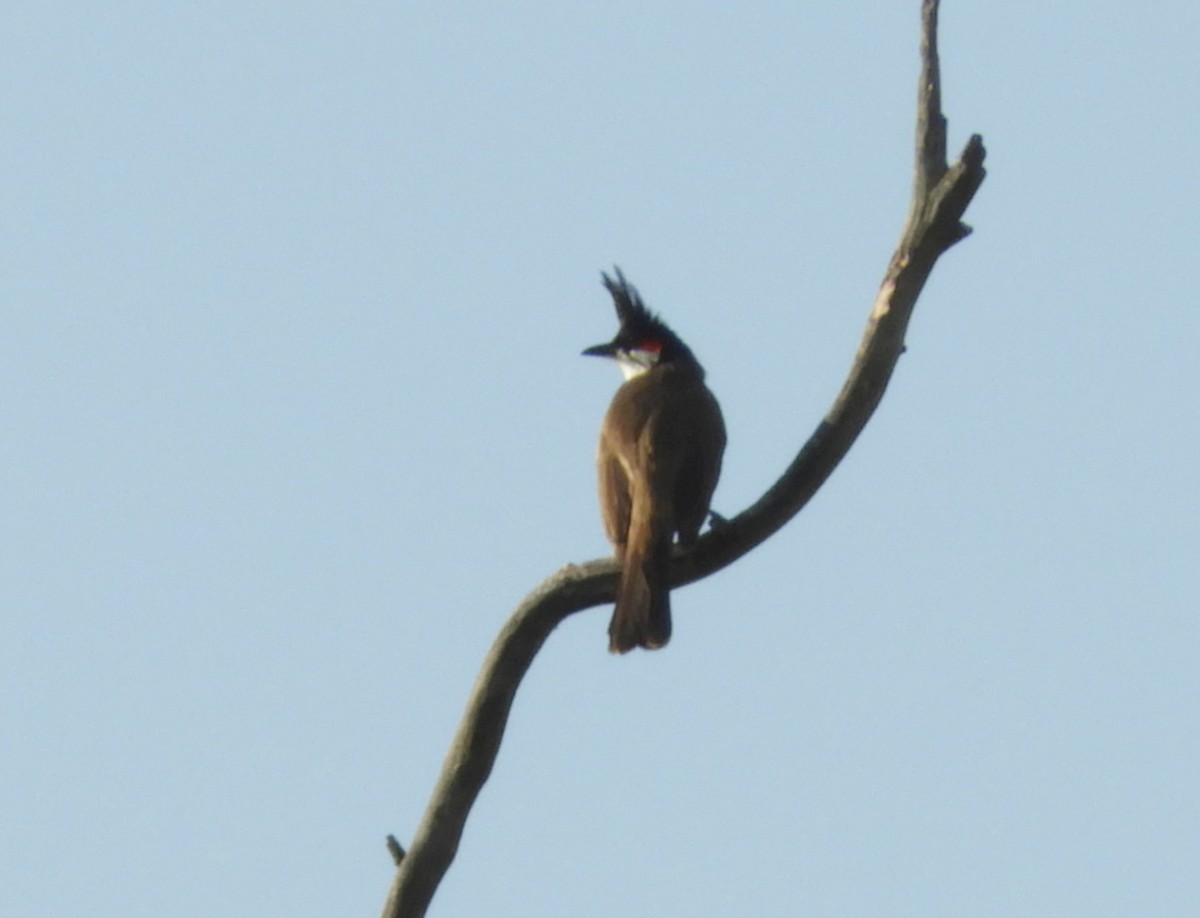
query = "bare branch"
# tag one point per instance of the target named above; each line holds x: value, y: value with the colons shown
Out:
x: 940, y: 197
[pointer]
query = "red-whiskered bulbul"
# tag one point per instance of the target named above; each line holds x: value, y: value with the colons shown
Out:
x: 659, y: 459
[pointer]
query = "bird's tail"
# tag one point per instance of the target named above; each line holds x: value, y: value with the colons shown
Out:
x: 642, y: 617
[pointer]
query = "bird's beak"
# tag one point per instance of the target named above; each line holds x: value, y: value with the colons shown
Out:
x: 601, y: 350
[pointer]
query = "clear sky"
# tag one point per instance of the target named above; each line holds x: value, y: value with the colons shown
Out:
x: 293, y: 415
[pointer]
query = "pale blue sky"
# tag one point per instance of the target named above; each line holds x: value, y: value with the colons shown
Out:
x: 293, y: 297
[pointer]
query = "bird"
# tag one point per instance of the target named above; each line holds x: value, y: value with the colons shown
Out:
x: 659, y: 458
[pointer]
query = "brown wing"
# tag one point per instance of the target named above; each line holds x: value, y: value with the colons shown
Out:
x: 614, y: 497
x: 620, y: 456
x: 682, y: 442
x: 697, y: 477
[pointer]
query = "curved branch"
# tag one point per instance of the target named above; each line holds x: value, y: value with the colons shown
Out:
x: 940, y: 197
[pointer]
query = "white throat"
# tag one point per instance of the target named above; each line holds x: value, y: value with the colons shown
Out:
x: 635, y: 363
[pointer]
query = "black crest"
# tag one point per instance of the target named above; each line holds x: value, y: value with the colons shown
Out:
x: 639, y: 324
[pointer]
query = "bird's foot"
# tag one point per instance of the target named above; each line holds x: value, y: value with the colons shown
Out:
x: 716, y: 522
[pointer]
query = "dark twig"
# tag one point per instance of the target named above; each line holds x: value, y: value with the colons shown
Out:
x: 395, y: 850
x: 941, y: 194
